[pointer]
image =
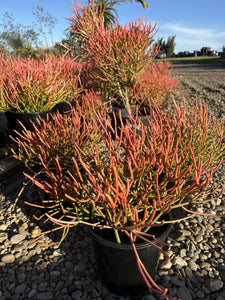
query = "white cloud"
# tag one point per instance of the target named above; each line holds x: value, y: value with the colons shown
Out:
x: 190, y: 39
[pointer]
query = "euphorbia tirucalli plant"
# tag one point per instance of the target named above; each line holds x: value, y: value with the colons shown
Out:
x: 4, y: 126
x: 155, y: 84
x: 89, y: 103
x: 3, y: 71
x: 57, y: 137
x: 120, y: 53
x: 36, y: 85
x: 197, y: 136
x: 86, y: 21
x: 131, y: 183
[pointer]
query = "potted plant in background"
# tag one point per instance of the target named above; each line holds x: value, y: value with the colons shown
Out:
x: 155, y: 85
x: 89, y: 103
x: 4, y: 126
x: 119, y: 60
x: 34, y: 86
x: 58, y: 134
x: 126, y: 187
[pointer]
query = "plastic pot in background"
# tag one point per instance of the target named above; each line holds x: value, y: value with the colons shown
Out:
x: 143, y: 116
x: 117, y: 265
x: 64, y: 107
x: 4, y: 128
x: 25, y: 119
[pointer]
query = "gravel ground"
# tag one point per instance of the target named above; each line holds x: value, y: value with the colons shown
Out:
x: 197, y: 252
x: 207, y: 81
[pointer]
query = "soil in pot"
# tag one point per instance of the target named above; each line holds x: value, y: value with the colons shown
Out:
x: 4, y: 128
x: 117, y: 264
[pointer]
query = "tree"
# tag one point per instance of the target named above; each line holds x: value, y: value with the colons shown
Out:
x: 170, y: 45
x: 223, y: 52
x: 110, y: 11
x: 143, y: 2
x: 167, y: 47
x: 44, y: 22
x: 2, y: 49
x: 16, y: 36
x: 162, y: 44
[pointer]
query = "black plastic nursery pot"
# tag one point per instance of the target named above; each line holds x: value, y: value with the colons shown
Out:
x: 64, y: 107
x: 4, y: 128
x: 114, y: 115
x: 117, y: 265
x: 26, y: 119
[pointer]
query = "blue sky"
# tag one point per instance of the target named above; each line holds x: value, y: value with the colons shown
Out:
x: 196, y: 23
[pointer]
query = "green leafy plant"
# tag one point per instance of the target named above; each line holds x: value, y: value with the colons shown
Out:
x: 130, y: 183
x: 35, y: 85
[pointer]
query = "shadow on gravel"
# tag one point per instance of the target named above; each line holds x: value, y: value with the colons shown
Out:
x: 46, y: 272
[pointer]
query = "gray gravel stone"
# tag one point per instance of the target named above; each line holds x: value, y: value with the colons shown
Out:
x: 176, y: 281
x: 200, y: 295
x: 149, y: 297
x: 199, y: 238
x: 77, y: 295
x: 3, y: 236
x: 45, y: 296
x: 17, y: 238
x: 20, y: 288
x: 184, y: 293
x: 8, y: 258
x: 213, y: 285
x: 21, y: 276
x: 166, y: 264
x: 32, y: 293
x: 179, y: 261
x: 192, y: 265
x: 3, y: 227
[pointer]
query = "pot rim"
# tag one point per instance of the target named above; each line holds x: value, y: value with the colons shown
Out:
x: 14, y: 111
x: 127, y: 246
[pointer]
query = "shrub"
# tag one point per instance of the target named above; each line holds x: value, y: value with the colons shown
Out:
x: 118, y: 54
x: 54, y: 140
x: 34, y: 85
x: 155, y: 84
x: 129, y: 183
x: 3, y: 71
x: 89, y: 103
x: 128, y: 180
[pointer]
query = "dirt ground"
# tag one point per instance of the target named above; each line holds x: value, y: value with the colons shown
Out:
x: 207, y: 81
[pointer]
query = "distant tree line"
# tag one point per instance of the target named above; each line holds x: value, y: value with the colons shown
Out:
x: 167, y: 46
x: 223, y: 52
